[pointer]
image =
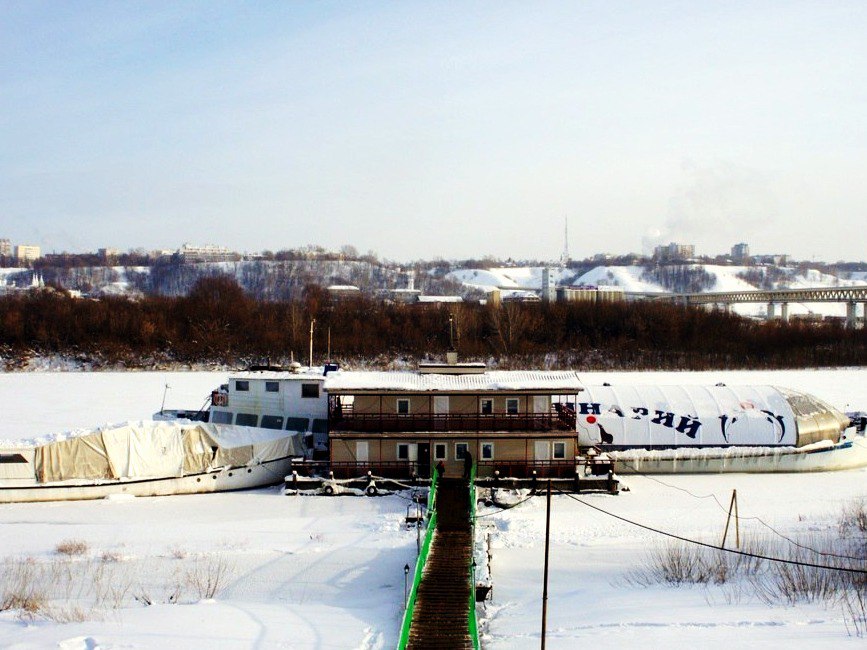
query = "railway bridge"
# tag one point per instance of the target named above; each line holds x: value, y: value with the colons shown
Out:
x: 850, y: 296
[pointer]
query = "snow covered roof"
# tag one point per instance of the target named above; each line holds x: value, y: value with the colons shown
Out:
x: 287, y: 375
x: 499, y: 380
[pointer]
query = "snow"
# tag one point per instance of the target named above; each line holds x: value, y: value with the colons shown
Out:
x: 342, y: 380
x: 316, y: 572
x: 629, y: 278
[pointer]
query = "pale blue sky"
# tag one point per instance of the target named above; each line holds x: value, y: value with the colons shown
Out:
x: 422, y: 129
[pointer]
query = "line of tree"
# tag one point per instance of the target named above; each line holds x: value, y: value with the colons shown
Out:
x: 219, y: 322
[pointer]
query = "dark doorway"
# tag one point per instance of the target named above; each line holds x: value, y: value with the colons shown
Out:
x: 424, y: 459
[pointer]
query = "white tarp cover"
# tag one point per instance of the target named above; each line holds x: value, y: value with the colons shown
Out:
x: 281, y: 448
x: 676, y: 416
x: 233, y: 456
x: 81, y: 457
x: 145, y: 450
x: 229, y: 435
x: 198, y: 450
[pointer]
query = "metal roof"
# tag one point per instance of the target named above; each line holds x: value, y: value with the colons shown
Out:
x: 499, y: 380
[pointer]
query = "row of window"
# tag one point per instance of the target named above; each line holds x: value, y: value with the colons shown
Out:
x: 486, y: 406
x: 307, y: 390
x: 269, y: 421
x: 558, y: 451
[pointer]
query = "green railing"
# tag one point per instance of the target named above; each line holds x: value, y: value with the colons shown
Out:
x: 471, y: 612
x: 420, y: 562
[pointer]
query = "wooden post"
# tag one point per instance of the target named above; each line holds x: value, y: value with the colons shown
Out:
x: 545, y: 579
x: 733, y: 504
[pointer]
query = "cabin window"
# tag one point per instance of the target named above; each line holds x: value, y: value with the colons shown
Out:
x: 362, y: 452
x: 309, y: 390
x: 296, y: 424
x: 242, y: 386
x: 403, y: 406
x: 272, y: 386
x: 247, y: 419
x: 559, y: 450
x: 487, y: 451
x: 512, y: 406
x: 460, y: 450
x: 487, y: 407
x: 221, y: 417
x: 439, y: 451
x: 320, y: 426
x: 272, y: 421
x: 403, y: 452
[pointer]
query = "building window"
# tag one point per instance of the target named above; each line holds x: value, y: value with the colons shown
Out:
x: 272, y: 422
x: 559, y: 450
x: 309, y: 390
x: 247, y: 419
x: 242, y: 385
x: 512, y: 406
x: 439, y: 451
x: 460, y: 450
x: 296, y: 424
x: 487, y: 451
x: 487, y: 406
x: 402, y: 451
x: 272, y: 386
x: 403, y: 406
x: 221, y: 417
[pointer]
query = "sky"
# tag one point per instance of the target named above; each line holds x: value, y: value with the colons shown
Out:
x: 445, y: 129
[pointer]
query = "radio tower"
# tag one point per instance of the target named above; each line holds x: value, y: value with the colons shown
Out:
x: 564, y: 257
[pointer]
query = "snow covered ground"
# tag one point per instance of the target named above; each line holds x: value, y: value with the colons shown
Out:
x: 632, y: 279
x: 314, y: 572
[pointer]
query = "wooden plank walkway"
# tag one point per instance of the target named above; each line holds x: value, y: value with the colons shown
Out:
x: 440, y: 618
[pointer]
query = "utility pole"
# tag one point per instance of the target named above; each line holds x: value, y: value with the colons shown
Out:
x: 312, y: 323
x: 545, y: 579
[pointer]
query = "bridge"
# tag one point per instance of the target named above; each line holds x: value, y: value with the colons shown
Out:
x: 850, y: 296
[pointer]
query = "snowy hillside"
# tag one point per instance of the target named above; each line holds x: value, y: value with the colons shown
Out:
x: 640, y: 279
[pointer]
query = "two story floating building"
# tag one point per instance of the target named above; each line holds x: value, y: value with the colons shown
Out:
x: 401, y: 424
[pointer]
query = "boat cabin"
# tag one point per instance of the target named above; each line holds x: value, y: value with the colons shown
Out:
x: 291, y: 401
x: 403, y: 424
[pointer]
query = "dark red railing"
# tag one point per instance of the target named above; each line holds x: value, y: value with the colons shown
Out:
x: 341, y: 420
x: 524, y: 468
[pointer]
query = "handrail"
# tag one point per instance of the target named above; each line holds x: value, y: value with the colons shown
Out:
x: 471, y: 613
x: 420, y: 562
x: 553, y: 420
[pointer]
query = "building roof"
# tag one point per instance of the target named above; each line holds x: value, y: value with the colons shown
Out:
x: 409, y: 382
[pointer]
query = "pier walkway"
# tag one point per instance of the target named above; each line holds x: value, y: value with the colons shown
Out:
x: 440, y: 619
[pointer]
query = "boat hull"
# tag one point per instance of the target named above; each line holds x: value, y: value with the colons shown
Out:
x: 849, y: 454
x: 269, y: 472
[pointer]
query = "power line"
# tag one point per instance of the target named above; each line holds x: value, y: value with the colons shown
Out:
x: 718, y: 548
x: 739, y: 518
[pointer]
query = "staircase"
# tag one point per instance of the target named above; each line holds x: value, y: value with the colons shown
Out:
x: 440, y: 617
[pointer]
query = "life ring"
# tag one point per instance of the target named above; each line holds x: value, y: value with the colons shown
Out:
x: 371, y: 490
x: 328, y: 489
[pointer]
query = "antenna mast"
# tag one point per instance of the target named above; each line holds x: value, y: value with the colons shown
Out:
x: 564, y: 258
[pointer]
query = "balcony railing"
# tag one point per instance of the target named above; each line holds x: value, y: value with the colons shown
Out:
x: 564, y: 468
x: 345, y: 420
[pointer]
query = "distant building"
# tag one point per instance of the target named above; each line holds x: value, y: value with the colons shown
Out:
x: 549, y: 285
x: 774, y: 259
x: 344, y: 291
x: 674, y: 252
x: 208, y: 253
x: 25, y: 253
x: 590, y: 294
x: 5, y: 248
x: 108, y: 253
x: 741, y: 253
